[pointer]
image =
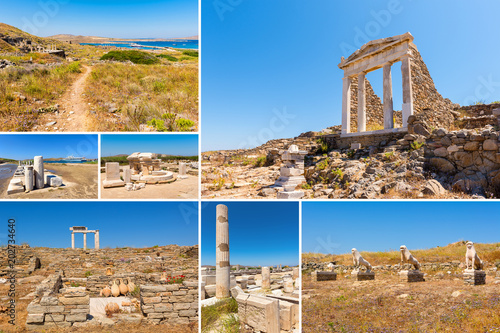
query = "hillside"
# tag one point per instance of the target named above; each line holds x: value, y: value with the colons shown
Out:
x: 438, y: 254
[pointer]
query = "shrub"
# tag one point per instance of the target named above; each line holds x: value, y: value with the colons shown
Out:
x: 260, y: 162
x: 168, y: 57
x: 88, y: 273
x: 169, y: 123
x: 191, y: 53
x: 137, y: 57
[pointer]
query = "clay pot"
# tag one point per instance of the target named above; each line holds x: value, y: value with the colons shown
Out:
x: 123, y: 288
x: 131, y: 286
x: 109, y: 271
x: 106, y: 292
x: 115, y: 290
x: 111, y: 308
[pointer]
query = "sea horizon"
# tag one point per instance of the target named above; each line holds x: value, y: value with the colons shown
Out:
x: 150, y: 45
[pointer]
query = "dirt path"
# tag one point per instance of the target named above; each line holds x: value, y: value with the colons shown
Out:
x: 72, y: 116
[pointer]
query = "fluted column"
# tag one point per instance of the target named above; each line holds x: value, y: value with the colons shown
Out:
x: 388, y: 103
x: 84, y: 240
x: 223, y: 267
x: 407, y: 90
x: 346, y: 105
x: 361, y: 103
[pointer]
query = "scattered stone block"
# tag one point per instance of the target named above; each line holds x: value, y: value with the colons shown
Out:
x: 363, y: 276
x: 324, y: 276
x: 411, y: 276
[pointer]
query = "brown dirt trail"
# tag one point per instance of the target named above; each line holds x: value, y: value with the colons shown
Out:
x: 73, y: 110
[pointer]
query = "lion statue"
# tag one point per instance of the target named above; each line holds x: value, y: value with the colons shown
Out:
x: 472, y: 257
x: 359, y: 260
x: 406, y: 256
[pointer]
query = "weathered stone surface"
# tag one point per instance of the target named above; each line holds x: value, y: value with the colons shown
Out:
x: 490, y: 145
x: 433, y: 187
x: 442, y: 165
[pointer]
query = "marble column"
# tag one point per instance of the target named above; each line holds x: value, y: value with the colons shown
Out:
x: 223, y: 267
x: 72, y: 240
x: 346, y: 105
x: 84, y: 240
x: 295, y: 274
x: 28, y: 178
x: 266, y: 278
x: 182, y: 170
x: 361, y: 103
x: 388, y: 104
x: 127, y: 175
x: 96, y: 239
x: 407, y: 109
x: 38, y: 172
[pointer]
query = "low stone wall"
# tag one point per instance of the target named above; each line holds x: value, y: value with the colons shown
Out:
x: 336, y: 142
x: 170, y: 303
x: 323, y: 276
x: 468, y: 160
x: 69, y: 308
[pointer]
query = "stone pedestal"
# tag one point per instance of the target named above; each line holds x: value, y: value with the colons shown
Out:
x: 411, y: 276
x: 292, y: 173
x: 182, y: 170
x: 38, y: 172
x: 474, y: 277
x: 363, y: 276
x: 28, y: 178
x: 223, y: 267
x: 113, y: 175
x: 290, y: 193
x: 324, y: 276
x: 295, y: 273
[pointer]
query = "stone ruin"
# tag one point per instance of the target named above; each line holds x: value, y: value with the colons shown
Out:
x: 66, y: 300
x: 84, y: 231
x: 292, y: 173
x: 29, y: 46
x: 31, y: 175
x: 258, y: 310
x: 143, y: 168
x: 362, y: 108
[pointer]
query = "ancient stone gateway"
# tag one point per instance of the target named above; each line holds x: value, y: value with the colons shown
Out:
x: 380, y: 53
x: 84, y: 231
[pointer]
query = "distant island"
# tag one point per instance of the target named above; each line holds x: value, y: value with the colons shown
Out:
x: 94, y: 39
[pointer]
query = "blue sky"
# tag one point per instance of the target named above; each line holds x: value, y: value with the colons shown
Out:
x: 260, y: 233
x: 171, y: 144
x: 269, y: 68
x: 337, y: 227
x: 26, y: 146
x: 120, y: 224
x: 104, y: 18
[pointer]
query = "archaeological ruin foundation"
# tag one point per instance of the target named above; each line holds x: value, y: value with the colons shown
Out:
x: 31, y: 175
x: 267, y: 297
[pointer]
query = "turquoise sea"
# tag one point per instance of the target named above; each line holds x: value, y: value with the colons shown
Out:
x: 146, y: 45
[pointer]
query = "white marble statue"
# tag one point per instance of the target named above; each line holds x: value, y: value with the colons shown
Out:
x: 406, y: 256
x: 358, y: 260
x: 472, y: 258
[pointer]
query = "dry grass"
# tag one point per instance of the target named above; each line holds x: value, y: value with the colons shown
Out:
x: 41, y: 86
x: 387, y: 305
x: 142, y: 93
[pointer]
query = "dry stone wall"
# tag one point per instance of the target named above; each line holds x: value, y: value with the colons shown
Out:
x: 171, y: 303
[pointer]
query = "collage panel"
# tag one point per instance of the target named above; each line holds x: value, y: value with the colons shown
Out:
x: 149, y: 166
x: 350, y: 100
x: 99, y: 266
x: 48, y: 166
x: 250, y: 276
x: 74, y: 66
x: 400, y: 266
